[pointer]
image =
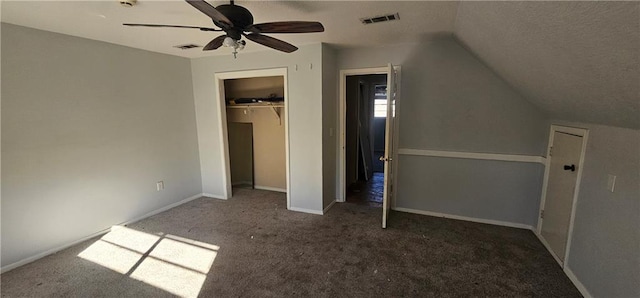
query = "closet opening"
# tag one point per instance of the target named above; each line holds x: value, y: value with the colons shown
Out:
x: 365, y: 121
x: 254, y: 130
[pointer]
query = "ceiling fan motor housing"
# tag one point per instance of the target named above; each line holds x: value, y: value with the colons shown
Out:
x: 237, y: 22
x: 239, y: 16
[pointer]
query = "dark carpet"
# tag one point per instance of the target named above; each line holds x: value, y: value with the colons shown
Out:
x: 267, y: 251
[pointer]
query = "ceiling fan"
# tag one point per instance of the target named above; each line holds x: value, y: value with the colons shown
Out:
x: 236, y: 21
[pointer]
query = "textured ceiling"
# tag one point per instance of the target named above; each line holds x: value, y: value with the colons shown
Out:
x: 101, y: 20
x: 579, y: 61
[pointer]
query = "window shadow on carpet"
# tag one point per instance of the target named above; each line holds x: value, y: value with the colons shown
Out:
x: 174, y: 264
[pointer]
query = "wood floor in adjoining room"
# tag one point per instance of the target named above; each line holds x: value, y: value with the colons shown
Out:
x: 252, y: 246
x: 367, y: 192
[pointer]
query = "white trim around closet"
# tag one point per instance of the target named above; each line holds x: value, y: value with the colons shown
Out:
x: 222, y: 124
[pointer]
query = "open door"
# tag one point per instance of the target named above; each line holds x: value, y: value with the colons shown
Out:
x: 388, y: 145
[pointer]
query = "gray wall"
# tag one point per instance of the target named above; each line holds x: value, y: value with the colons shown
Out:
x: 329, y: 125
x: 241, y: 153
x: 88, y: 128
x: 304, y: 102
x: 605, y: 246
x: 451, y: 101
x: 493, y: 190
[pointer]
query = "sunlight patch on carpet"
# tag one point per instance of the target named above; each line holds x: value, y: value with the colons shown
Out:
x: 111, y: 256
x: 174, y: 264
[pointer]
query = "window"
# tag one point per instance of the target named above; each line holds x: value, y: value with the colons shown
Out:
x: 380, y: 101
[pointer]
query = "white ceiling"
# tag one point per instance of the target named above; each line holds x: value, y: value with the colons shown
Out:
x: 578, y: 61
x: 102, y: 20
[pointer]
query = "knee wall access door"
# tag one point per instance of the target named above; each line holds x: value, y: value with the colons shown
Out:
x: 563, y: 174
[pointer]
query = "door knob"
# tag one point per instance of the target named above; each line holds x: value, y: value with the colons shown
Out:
x: 570, y: 167
x: 382, y: 158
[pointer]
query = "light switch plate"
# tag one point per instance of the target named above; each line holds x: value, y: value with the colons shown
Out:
x: 159, y: 185
x: 611, y: 183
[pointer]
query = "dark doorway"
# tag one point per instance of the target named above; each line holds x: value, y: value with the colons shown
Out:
x: 364, y: 135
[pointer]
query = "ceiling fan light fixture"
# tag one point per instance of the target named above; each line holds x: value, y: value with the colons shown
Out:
x: 236, y: 21
x: 229, y: 42
x: 237, y: 45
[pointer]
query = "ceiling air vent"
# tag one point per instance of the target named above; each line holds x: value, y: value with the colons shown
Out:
x: 187, y: 46
x: 378, y: 19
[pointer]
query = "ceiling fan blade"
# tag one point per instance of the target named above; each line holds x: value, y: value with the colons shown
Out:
x: 272, y: 42
x: 287, y: 27
x: 210, y: 11
x: 215, y: 43
x: 171, y: 26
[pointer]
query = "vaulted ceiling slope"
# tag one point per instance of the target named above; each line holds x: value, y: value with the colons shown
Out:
x: 579, y: 61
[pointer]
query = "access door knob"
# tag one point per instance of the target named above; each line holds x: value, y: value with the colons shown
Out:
x: 382, y: 158
x: 570, y: 167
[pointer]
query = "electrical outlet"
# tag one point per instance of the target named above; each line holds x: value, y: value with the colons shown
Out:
x: 159, y: 185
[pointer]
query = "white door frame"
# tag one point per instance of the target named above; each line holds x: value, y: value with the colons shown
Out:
x: 584, y: 133
x: 343, y: 115
x: 222, y: 124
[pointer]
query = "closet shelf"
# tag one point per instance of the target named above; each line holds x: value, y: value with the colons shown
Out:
x: 251, y: 106
x: 241, y: 106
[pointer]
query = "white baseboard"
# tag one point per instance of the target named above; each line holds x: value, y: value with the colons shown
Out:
x: 50, y: 251
x: 574, y: 279
x: 465, y: 218
x: 329, y: 207
x: 577, y: 283
x: 548, y: 247
x: 102, y: 232
x: 305, y: 210
x: 163, y: 209
x: 269, y: 188
x: 208, y: 195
